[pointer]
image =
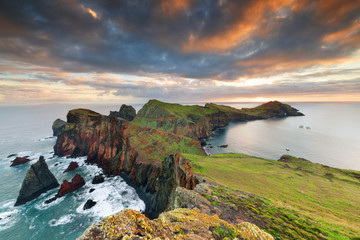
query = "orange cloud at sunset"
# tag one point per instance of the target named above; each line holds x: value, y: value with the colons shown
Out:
x: 93, y: 13
x: 350, y: 35
x: 249, y: 23
x: 173, y: 7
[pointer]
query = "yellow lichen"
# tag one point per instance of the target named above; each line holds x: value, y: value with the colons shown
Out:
x: 178, y: 224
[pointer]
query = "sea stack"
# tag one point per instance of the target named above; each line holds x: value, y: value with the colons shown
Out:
x: 38, y: 180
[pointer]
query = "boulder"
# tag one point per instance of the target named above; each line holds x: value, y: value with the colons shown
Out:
x: 57, y: 126
x: 89, y: 204
x: 19, y: 161
x: 38, y: 180
x: 71, y: 166
x: 126, y: 112
x: 98, y: 179
x: 67, y: 187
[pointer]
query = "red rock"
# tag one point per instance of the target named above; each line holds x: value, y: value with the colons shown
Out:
x: 19, y: 161
x: 72, y: 166
x: 66, y: 187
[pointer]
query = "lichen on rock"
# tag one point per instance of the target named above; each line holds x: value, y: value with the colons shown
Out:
x: 181, y: 223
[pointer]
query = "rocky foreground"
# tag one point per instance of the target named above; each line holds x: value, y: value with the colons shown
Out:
x: 181, y: 223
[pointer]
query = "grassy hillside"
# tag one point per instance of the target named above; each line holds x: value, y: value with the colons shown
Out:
x: 155, y: 144
x: 328, y: 199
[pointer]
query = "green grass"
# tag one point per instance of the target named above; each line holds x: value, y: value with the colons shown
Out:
x: 85, y: 111
x: 295, y: 185
x: 155, y: 144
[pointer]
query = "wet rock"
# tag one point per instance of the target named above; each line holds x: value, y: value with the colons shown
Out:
x: 38, y: 180
x: 223, y: 146
x: 71, y: 166
x: 89, y: 204
x: 98, y: 179
x: 58, y: 126
x: 19, y: 161
x: 12, y: 155
x: 203, y: 142
x: 91, y: 190
x: 67, y: 187
x: 50, y: 200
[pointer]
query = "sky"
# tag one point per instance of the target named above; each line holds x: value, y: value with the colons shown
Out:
x: 130, y: 51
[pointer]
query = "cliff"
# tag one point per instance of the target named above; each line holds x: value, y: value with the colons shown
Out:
x: 119, y: 146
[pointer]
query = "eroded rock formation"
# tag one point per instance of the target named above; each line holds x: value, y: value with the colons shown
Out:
x: 71, y: 167
x: 38, y: 179
x: 67, y: 187
x: 19, y: 161
x: 57, y: 126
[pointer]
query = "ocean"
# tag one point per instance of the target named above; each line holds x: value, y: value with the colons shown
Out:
x: 332, y: 138
x: 26, y: 131
x: 329, y: 134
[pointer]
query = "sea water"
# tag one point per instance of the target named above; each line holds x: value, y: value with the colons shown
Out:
x: 26, y: 131
x: 329, y: 134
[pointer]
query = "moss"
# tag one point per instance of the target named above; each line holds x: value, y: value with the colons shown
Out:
x: 222, y: 232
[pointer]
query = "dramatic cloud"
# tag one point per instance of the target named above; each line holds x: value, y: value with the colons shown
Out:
x: 179, y: 49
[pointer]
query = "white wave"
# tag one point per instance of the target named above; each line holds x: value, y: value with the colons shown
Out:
x: 62, y: 220
x: 8, y: 217
x: 46, y: 138
x: 111, y: 196
x: 43, y: 206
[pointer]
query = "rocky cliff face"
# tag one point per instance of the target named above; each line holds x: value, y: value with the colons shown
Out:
x: 123, y: 147
x: 38, y: 179
x: 90, y: 134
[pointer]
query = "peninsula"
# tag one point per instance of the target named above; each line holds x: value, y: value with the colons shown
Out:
x: 159, y: 151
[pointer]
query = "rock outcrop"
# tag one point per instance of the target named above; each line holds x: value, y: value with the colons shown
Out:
x: 71, y: 167
x: 126, y: 112
x: 57, y: 126
x: 90, y: 134
x: 67, y: 187
x: 175, y: 172
x: 19, y: 161
x: 98, y: 179
x: 38, y: 180
x: 89, y: 204
x: 180, y: 223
